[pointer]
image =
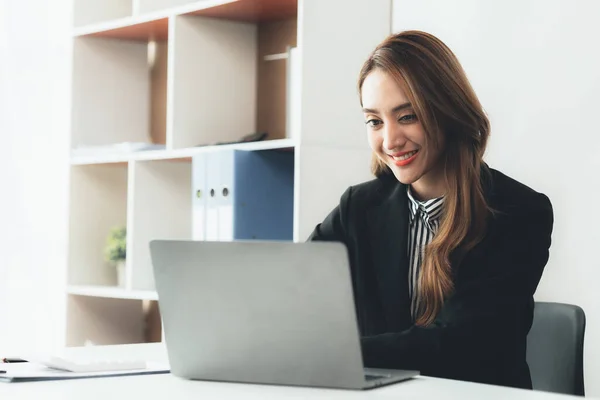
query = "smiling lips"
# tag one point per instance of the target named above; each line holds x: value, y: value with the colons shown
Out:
x: 404, y: 158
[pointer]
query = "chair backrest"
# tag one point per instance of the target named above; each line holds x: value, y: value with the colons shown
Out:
x: 555, y: 348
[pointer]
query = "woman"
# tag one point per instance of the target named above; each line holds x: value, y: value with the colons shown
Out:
x: 446, y: 253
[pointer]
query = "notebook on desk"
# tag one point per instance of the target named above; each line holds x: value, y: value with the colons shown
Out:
x: 58, y: 368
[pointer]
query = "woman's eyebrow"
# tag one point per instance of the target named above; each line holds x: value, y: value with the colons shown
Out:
x: 394, y: 110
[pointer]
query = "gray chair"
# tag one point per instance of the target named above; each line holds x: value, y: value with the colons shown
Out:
x: 555, y: 348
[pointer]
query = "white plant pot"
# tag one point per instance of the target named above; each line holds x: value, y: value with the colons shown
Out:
x: 121, y: 279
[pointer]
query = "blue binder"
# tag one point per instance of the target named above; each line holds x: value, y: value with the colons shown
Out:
x: 250, y: 195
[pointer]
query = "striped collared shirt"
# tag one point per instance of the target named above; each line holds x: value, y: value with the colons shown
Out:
x: 424, y: 219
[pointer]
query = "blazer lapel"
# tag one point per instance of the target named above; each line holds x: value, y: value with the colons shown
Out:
x: 388, y: 233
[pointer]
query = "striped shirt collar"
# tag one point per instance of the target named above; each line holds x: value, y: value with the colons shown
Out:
x: 430, y: 210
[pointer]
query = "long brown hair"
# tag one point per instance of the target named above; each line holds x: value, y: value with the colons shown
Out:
x: 448, y: 108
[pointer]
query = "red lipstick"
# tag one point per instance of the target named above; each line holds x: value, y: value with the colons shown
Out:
x: 402, y: 163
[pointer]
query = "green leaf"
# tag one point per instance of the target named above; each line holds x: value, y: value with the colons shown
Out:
x: 116, y: 245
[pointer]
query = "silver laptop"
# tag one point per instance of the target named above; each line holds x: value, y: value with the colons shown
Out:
x: 262, y: 312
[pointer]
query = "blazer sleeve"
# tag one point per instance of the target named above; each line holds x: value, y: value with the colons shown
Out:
x: 488, y: 313
x: 333, y: 227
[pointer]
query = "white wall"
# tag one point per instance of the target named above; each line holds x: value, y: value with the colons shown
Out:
x: 536, y: 68
x: 34, y: 93
x: 333, y: 47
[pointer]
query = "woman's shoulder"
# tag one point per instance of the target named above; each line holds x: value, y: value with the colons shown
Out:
x: 503, y: 193
x: 507, y: 194
x: 374, y: 191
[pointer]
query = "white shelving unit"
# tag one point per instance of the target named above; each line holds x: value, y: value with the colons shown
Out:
x: 98, y: 202
x: 173, y: 154
x: 159, y: 207
x: 185, y: 77
x: 111, y: 292
x: 89, y: 12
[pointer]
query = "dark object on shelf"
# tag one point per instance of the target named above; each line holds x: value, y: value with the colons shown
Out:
x: 13, y: 360
x: 252, y: 137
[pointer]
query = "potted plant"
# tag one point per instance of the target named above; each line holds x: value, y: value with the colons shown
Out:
x: 115, y: 251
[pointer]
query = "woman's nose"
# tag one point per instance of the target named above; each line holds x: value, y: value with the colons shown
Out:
x: 393, y: 137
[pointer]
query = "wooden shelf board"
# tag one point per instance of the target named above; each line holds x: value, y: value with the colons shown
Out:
x: 155, y: 26
x: 132, y: 28
x: 111, y: 292
x: 252, y: 10
x: 181, y: 154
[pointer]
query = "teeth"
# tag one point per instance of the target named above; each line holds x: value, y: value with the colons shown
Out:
x: 405, y: 156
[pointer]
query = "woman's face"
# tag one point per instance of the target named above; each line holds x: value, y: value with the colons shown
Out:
x: 397, y: 136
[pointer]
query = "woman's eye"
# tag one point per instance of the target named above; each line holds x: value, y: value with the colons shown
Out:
x: 373, y: 122
x: 408, y: 118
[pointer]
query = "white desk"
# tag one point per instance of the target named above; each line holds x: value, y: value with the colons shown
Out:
x: 168, y: 387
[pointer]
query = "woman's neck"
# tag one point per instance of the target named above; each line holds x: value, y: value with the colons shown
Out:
x: 429, y: 186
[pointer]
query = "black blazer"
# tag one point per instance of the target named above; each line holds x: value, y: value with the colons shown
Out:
x: 480, y: 334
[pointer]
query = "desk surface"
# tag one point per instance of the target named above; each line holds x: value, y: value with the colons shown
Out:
x: 168, y: 387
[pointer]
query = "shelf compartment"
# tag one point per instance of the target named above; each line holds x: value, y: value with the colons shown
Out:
x: 104, y: 321
x: 160, y: 208
x: 98, y: 201
x: 213, y: 91
x: 241, y: 91
x: 97, y: 321
x: 275, y: 39
x: 119, y: 92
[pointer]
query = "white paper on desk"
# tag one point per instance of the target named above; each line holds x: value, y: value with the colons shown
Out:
x: 31, y: 371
